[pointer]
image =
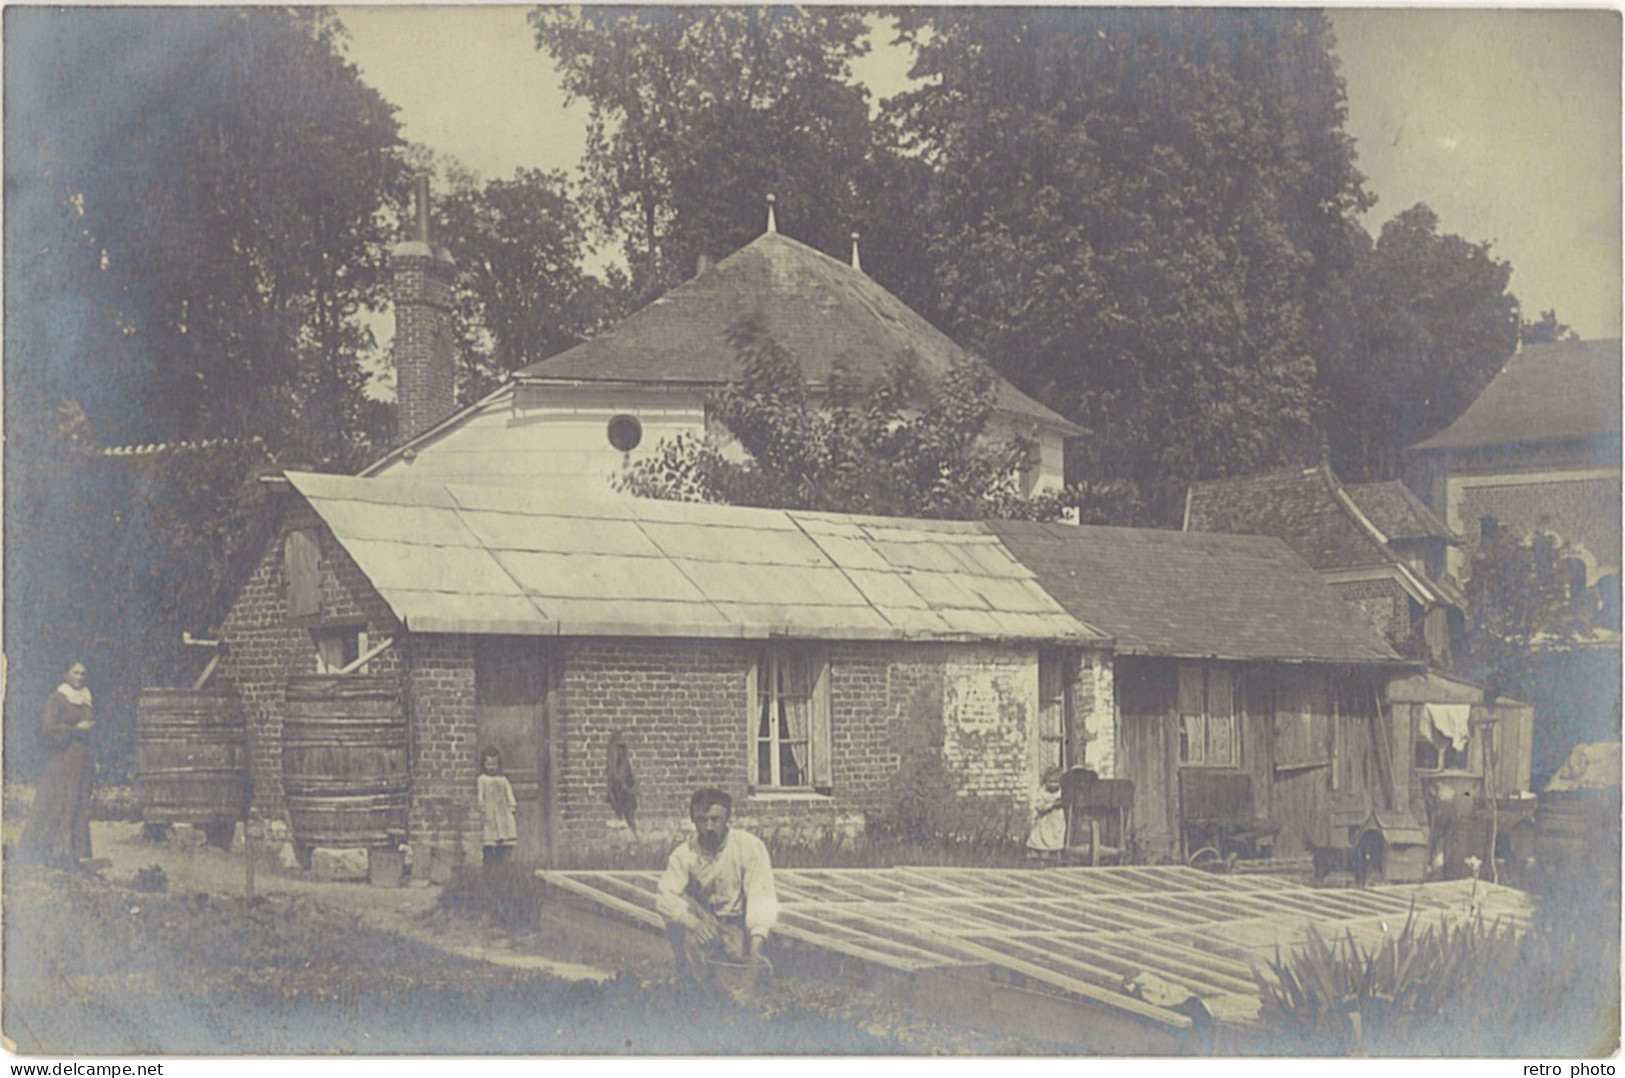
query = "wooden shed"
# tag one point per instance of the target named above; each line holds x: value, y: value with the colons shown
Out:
x: 1248, y: 694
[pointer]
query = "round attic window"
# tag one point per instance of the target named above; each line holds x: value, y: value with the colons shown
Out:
x: 625, y: 432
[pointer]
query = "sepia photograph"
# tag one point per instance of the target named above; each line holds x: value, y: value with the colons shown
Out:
x: 782, y: 531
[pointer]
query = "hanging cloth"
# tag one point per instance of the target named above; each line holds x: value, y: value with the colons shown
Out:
x: 1448, y: 720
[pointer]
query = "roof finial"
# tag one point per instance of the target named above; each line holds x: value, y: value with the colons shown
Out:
x: 772, y: 222
x: 857, y: 263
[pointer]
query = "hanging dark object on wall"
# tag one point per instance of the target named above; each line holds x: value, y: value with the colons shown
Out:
x: 622, y: 783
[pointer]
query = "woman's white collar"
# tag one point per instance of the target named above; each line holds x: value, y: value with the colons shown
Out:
x: 80, y: 696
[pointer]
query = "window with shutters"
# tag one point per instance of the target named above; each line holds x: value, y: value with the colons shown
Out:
x: 1054, y: 711
x: 790, y: 720
x: 1209, y: 733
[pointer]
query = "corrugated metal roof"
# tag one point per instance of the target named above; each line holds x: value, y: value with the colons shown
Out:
x: 824, y: 312
x: 1564, y: 391
x: 471, y: 559
x: 1194, y: 595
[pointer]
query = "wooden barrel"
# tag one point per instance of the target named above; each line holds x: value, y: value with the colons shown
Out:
x: 191, y: 757
x: 1577, y: 834
x: 344, y: 771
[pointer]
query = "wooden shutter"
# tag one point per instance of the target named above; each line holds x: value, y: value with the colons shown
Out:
x: 302, y: 574
x: 753, y: 715
x: 822, y: 748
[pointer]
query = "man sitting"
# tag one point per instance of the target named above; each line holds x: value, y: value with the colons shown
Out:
x: 717, y: 893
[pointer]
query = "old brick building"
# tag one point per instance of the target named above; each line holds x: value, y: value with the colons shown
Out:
x: 826, y: 670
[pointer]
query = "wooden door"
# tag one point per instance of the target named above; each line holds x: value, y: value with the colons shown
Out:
x: 1301, y: 794
x: 511, y: 680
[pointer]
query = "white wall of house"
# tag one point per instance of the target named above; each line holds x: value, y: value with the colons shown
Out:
x: 560, y: 434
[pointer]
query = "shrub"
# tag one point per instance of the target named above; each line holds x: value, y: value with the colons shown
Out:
x: 1341, y: 998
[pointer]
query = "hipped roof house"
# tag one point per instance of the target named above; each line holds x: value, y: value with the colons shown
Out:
x: 654, y: 369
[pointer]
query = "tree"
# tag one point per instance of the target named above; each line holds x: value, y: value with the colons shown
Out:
x: 1130, y: 213
x: 1545, y: 330
x: 1432, y: 324
x: 522, y: 294
x: 697, y: 113
x: 909, y: 445
x: 199, y: 204
x: 1540, y: 631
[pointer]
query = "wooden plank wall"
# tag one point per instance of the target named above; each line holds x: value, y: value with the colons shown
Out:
x: 1301, y: 799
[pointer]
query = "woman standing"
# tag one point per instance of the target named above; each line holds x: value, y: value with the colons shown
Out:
x: 58, y: 830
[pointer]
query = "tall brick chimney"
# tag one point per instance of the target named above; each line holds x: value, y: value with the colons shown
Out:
x: 425, y: 371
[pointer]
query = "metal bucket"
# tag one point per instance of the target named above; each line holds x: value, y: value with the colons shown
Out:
x: 191, y: 757
x: 344, y: 767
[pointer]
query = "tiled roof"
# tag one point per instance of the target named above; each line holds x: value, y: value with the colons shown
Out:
x: 1194, y: 595
x: 1560, y: 392
x: 474, y: 559
x: 1398, y: 513
x: 1295, y: 505
x: 823, y: 311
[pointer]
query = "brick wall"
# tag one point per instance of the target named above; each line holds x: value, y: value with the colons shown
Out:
x: 1385, y: 604
x: 1094, y: 714
x: 445, y: 768
x: 1583, y: 511
x: 263, y: 650
x: 931, y: 737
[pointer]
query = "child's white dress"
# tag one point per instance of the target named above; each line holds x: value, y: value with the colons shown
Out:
x: 497, y: 810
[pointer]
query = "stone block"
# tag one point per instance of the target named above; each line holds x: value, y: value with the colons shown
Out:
x: 386, y: 867
x: 187, y: 836
x: 443, y: 864
x: 338, y: 864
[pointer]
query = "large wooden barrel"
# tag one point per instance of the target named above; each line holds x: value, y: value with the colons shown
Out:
x: 344, y: 770
x: 1577, y: 836
x: 191, y: 757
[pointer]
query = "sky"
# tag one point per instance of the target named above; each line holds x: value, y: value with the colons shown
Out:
x: 1506, y: 123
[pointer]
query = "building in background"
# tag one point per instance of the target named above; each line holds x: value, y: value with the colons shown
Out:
x: 1378, y: 547
x: 579, y: 418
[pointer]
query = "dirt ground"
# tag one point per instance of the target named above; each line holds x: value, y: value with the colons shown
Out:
x: 104, y: 963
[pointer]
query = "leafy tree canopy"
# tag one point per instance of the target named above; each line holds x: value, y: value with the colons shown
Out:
x: 199, y: 211
x: 522, y: 294
x: 910, y: 446
x: 696, y: 113
x: 1432, y: 323
x: 1129, y: 211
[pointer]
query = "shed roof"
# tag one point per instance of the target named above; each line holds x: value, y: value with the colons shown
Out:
x: 826, y: 313
x: 1195, y: 595
x: 474, y: 559
x: 1564, y: 391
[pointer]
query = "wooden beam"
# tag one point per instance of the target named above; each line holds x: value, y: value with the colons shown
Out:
x: 208, y: 671
x: 369, y: 655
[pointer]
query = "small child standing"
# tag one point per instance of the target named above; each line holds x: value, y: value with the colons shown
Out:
x: 497, y: 805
